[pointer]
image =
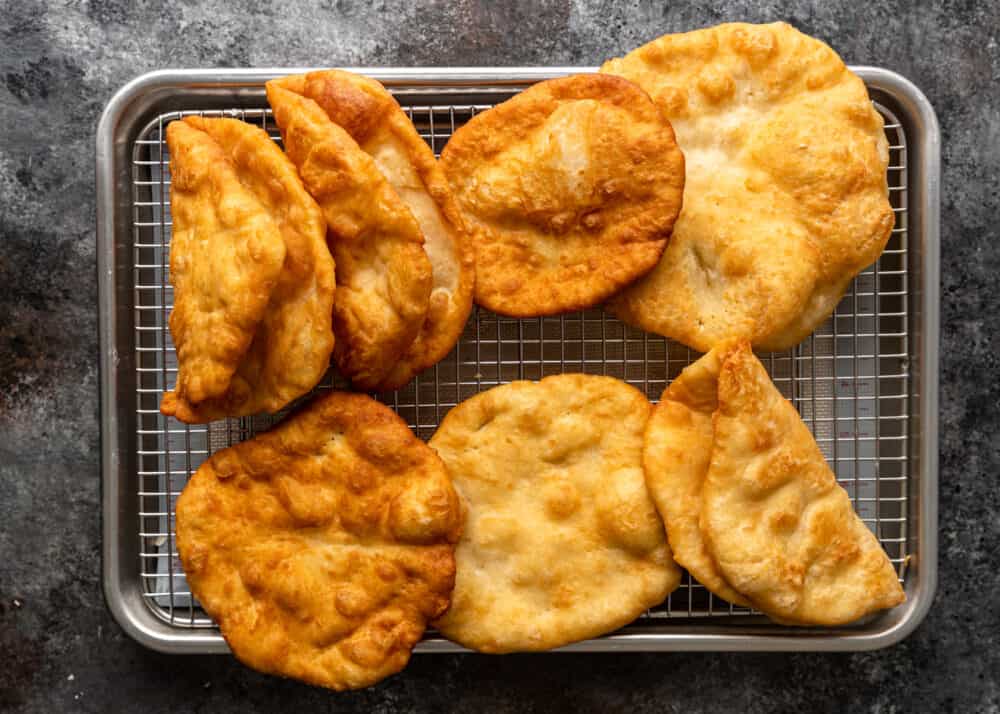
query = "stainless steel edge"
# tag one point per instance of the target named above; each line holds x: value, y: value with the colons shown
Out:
x: 107, y: 363
x: 136, y: 618
x: 927, y: 133
x: 124, y: 601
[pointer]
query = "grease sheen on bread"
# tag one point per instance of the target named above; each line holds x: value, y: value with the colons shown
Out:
x: 226, y: 253
x: 676, y: 455
x: 296, y: 320
x: 383, y: 275
x: 324, y: 546
x: 365, y: 110
x: 572, y: 187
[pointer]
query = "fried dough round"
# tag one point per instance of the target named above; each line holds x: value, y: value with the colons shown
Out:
x: 572, y: 187
x: 562, y: 541
x: 786, y: 197
x: 780, y: 527
x: 226, y: 253
x: 323, y: 547
x: 383, y: 274
x: 297, y: 319
x: 676, y: 454
x: 373, y: 118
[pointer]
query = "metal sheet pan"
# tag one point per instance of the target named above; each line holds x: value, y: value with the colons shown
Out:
x: 865, y: 382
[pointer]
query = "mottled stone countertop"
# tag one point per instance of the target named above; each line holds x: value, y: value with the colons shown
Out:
x: 61, y: 61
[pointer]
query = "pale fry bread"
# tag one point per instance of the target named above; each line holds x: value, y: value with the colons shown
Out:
x: 676, y: 456
x: 779, y: 526
x: 786, y: 197
x: 562, y: 541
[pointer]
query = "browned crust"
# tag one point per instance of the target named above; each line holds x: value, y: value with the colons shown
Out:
x: 447, y: 314
x: 297, y: 318
x: 323, y: 547
x: 605, y: 239
x: 562, y: 540
x: 213, y: 322
x: 364, y: 109
x: 383, y: 275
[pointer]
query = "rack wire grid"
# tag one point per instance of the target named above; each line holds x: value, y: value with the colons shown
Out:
x: 849, y: 380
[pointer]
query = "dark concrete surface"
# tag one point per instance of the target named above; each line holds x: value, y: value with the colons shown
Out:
x: 61, y: 61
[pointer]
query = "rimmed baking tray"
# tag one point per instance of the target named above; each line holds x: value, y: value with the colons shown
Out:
x: 865, y: 382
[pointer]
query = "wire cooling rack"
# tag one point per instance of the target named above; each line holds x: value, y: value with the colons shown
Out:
x: 850, y: 380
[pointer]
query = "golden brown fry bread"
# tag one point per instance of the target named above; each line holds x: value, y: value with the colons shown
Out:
x: 383, y: 274
x: 786, y: 197
x: 322, y: 547
x: 562, y: 541
x: 366, y: 111
x: 676, y: 455
x: 226, y: 252
x: 290, y: 351
x: 781, y: 529
x: 572, y: 187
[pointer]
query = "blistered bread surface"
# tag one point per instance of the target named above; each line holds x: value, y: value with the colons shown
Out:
x: 676, y: 456
x: 572, y: 188
x: 324, y: 546
x: 780, y: 527
x: 383, y: 274
x: 226, y: 252
x: 786, y: 197
x: 562, y: 541
x: 297, y: 319
x: 373, y: 118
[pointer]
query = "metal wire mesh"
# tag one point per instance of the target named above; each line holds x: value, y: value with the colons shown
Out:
x: 849, y: 380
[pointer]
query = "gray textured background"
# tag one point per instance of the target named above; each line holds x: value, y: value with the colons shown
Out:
x: 59, y: 64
